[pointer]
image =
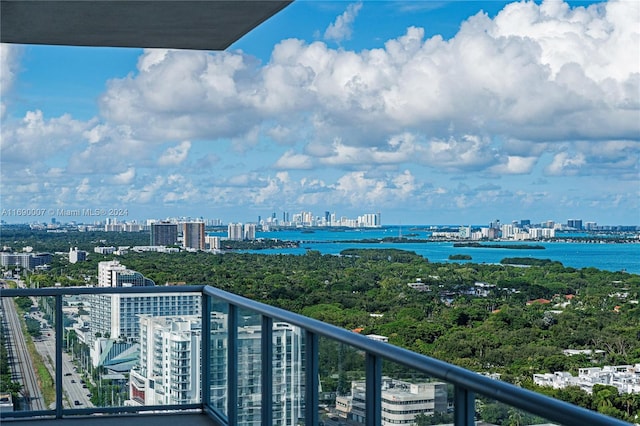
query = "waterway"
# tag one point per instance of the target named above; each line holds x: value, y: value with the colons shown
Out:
x: 605, y: 256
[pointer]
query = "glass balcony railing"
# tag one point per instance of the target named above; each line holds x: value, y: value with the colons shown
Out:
x: 253, y: 364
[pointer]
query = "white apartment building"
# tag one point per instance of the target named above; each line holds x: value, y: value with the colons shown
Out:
x: 104, y: 250
x: 464, y: 232
x: 112, y: 274
x: 116, y: 315
x: 626, y: 378
x: 170, y: 364
x: 250, y: 231
x: 234, y: 231
x: 507, y: 231
x: 76, y: 255
x: 401, y: 401
x: 288, y: 371
x: 369, y: 220
x: 169, y: 368
x: 212, y: 243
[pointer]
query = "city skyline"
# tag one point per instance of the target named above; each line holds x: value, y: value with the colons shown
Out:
x: 429, y: 112
x: 293, y: 219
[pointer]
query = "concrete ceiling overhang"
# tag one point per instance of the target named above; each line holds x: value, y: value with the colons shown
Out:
x: 202, y: 24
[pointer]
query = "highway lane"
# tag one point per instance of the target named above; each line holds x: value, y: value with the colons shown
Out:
x: 71, y: 380
x: 22, y: 366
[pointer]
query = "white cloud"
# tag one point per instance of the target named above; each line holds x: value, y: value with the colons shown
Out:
x: 35, y: 138
x: 9, y: 65
x: 112, y: 156
x: 565, y: 164
x: 538, y: 87
x: 145, y: 194
x: 514, y: 165
x: 84, y: 187
x: 175, y: 155
x: 289, y: 160
x: 341, y: 29
x: 125, y: 177
x: 537, y: 73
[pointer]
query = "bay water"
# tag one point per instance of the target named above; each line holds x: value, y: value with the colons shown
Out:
x: 605, y: 256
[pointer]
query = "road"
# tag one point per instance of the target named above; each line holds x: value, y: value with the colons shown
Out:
x: 22, y: 366
x: 73, y: 389
x: 71, y: 381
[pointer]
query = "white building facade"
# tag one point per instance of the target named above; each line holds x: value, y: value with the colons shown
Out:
x: 401, y: 401
x: 169, y: 368
x: 116, y: 315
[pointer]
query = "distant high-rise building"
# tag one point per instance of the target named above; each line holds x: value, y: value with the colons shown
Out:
x: 575, y: 224
x: 493, y: 233
x: 524, y: 223
x: 164, y: 234
x: 249, y: 231
x: 234, y: 231
x: 25, y: 260
x: 76, y: 255
x: 507, y: 231
x: 112, y: 274
x: 212, y: 242
x: 193, y: 235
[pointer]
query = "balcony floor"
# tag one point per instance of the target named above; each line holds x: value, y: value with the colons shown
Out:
x: 196, y: 419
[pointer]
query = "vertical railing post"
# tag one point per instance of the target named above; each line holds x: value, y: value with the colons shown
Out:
x: 465, y: 407
x: 59, y: 330
x: 373, y: 410
x: 311, y: 378
x: 205, y: 352
x: 267, y: 371
x: 232, y: 365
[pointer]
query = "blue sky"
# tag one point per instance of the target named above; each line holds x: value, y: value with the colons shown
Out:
x: 426, y: 111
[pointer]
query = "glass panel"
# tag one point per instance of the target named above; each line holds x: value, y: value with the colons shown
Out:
x: 288, y: 398
x: 342, y: 375
x: 494, y: 412
x: 411, y: 397
x: 218, y: 361
x: 249, y: 368
x: 28, y: 363
x: 133, y: 349
x: 77, y: 370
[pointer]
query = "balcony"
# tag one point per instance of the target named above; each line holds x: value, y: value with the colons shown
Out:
x: 379, y: 367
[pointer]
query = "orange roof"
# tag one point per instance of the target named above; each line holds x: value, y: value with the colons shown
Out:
x: 569, y: 296
x: 541, y: 301
x: 358, y: 330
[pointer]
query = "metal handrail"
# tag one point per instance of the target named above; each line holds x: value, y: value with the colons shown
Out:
x: 535, y: 403
x: 465, y: 381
